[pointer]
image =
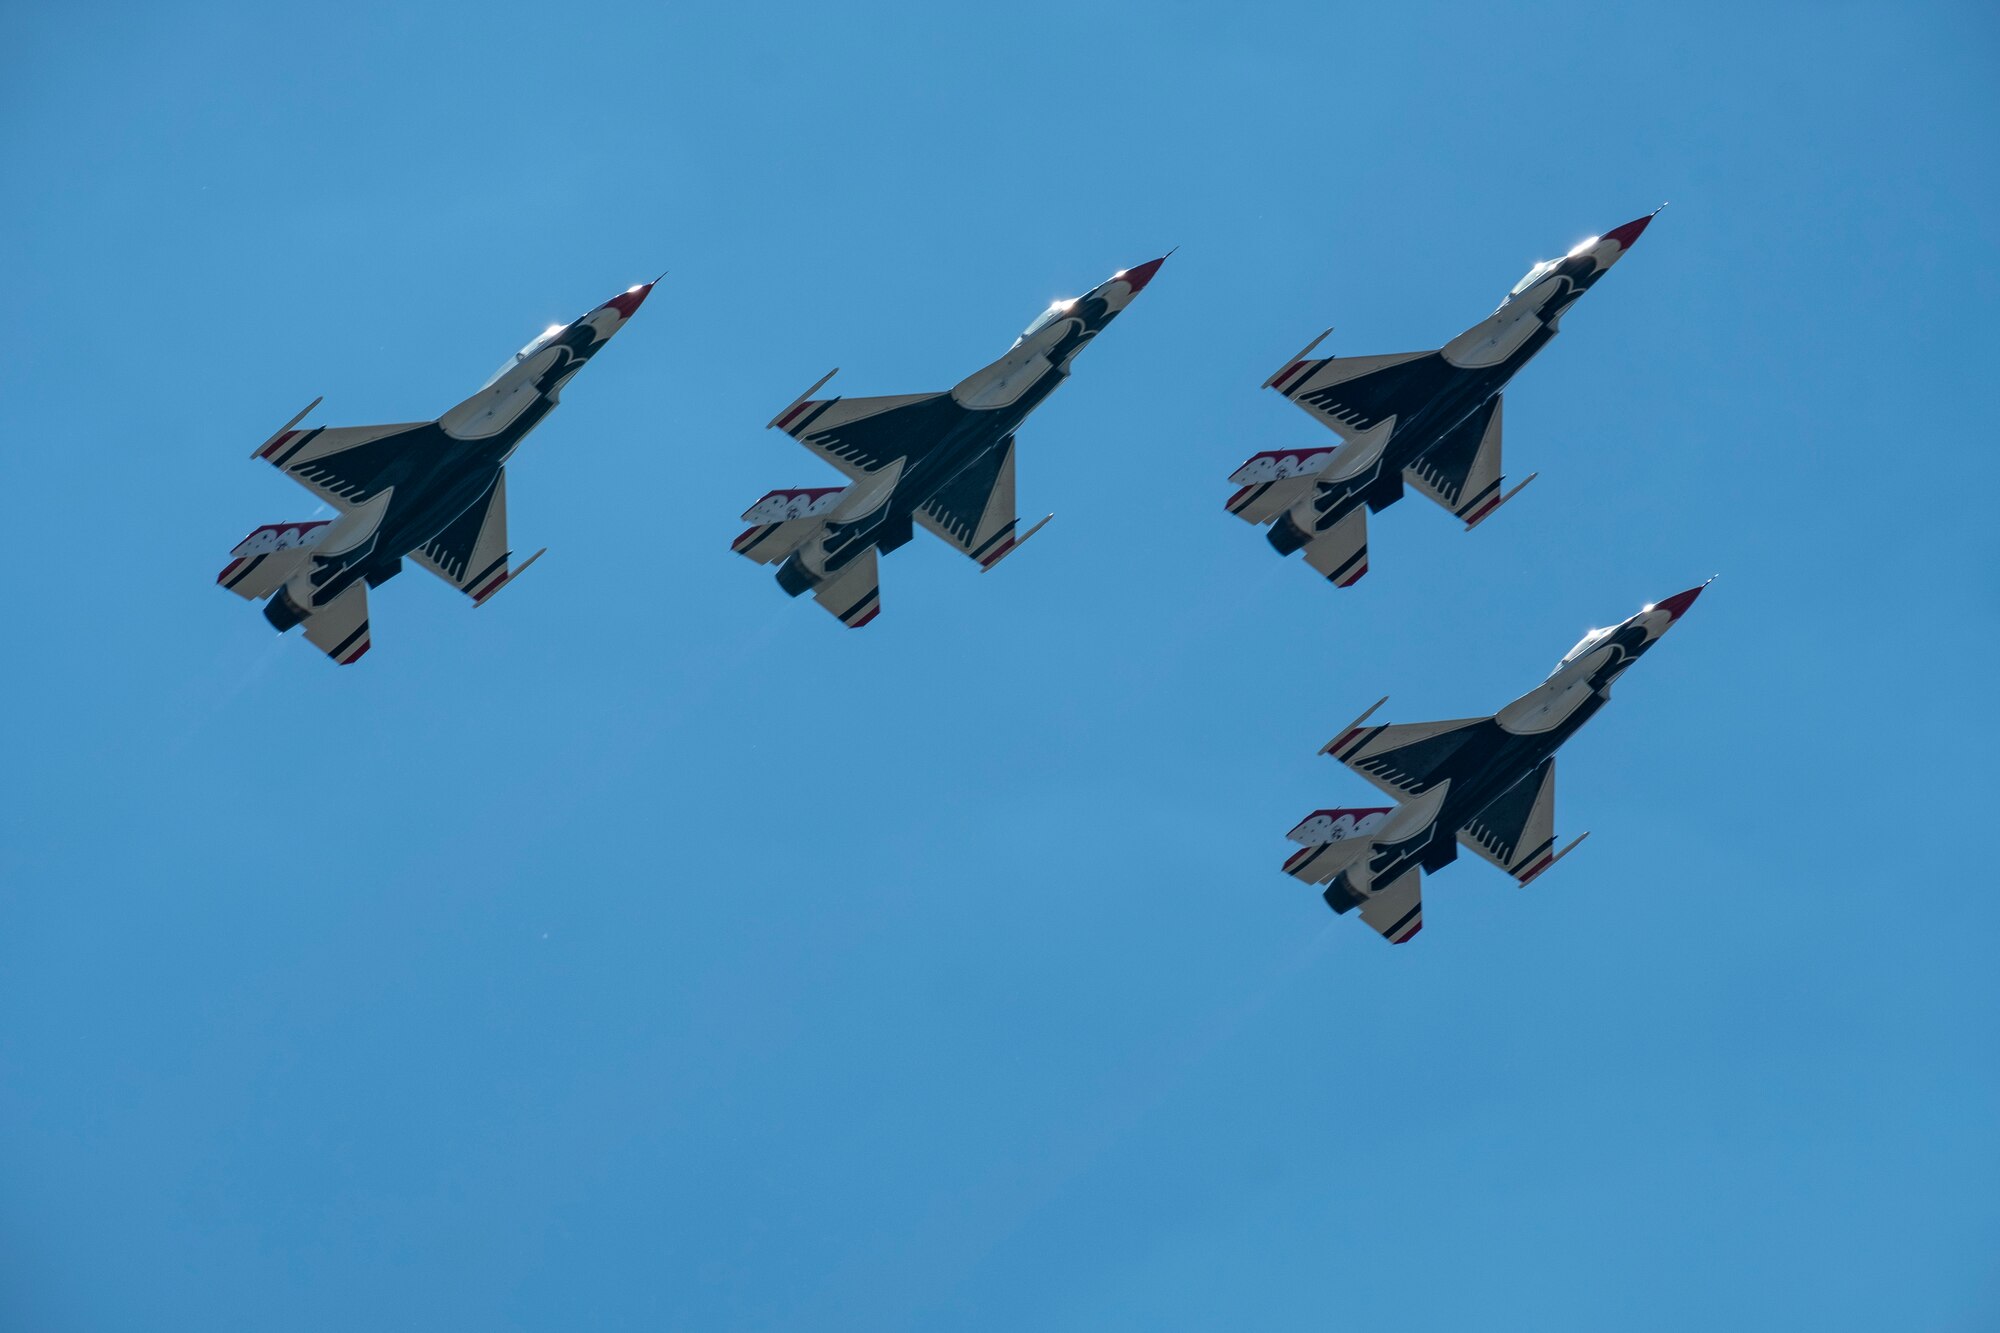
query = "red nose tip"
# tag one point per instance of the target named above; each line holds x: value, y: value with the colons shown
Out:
x: 1628, y: 233
x: 628, y: 301
x: 1677, y: 605
x: 1137, y: 278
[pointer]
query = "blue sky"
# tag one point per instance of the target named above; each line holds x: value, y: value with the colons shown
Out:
x: 643, y: 951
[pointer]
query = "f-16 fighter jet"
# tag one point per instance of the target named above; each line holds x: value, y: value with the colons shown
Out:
x: 435, y: 491
x: 1487, y: 783
x: 1429, y: 418
x: 945, y: 460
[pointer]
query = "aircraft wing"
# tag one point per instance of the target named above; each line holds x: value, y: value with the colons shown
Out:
x: 1462, y: 470
x: 974, y: 509
x: 1409, y: 759
x: 1352, y: 395
x: 345, y: 466
x: 471, y: 552
x: 1518, y: 831
x: 863, y: 435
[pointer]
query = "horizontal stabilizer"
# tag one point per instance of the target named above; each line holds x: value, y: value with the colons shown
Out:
x: 1341, y: 552
x: 267, y: 557
x: 340, y: 628
x: 1397, y: 912
x: 854, y: 595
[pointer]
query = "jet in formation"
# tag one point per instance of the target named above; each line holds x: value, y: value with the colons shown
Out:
x: 945, y: 460
x: 1487, y: 783
x: 435, y: 491
x: 1431, y: 419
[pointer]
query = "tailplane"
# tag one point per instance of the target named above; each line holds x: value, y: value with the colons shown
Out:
x: 1371, y: 858
x: 824, y: 541
x: 279, y: 562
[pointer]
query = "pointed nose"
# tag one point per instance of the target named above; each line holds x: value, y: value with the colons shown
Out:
x: 1138, y: 276
x: 629, y: 300
x: 1677, y: 605
x: 1625, y: 237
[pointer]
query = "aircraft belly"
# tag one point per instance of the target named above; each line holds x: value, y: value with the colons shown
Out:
x: 1006, y: 383
x: 1361, y: 455
x: 488, y: 415
x: 1492, y: 343
x: 356, y: 526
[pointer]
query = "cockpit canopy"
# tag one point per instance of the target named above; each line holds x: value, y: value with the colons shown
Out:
x: 1056, y: 311
x: 1533, y: 276
x: 541, y: 340
x: 1584, y: 645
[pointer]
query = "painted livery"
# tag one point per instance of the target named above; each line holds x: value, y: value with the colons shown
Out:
x: 434, y: 491
x: 1484, y: 783
x: 942, y: 460
x: 1430, y: 420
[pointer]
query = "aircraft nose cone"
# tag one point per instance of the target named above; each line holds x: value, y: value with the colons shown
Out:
x: 1677, y: 605
x: 629, y: 300
x: 1628, y: 233
x: 1137, y: 277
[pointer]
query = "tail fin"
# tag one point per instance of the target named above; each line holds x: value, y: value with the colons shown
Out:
x: 1371, y: 858
x: 1339, y: 853
x: 267, y: 557
x: 1342, y: 825
x: 783, y: 521
x: 1333, y: 840
x: 1275, y: 480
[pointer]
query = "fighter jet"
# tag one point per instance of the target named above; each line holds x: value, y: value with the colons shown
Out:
x: 1429, y: 418
x: 1487, y: 783
x: 945, y: 460
x: 435, y: 491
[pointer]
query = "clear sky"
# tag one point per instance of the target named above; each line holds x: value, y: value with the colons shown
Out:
x: 645, y: 951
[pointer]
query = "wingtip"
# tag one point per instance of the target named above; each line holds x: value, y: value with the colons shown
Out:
x: 265, y: 448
